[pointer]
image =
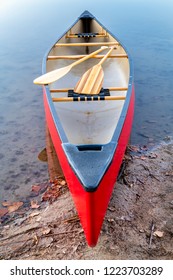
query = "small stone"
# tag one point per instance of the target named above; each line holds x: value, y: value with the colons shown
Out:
x: 158, y: 233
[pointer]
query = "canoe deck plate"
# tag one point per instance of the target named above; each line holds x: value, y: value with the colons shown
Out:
x: 90, y: 162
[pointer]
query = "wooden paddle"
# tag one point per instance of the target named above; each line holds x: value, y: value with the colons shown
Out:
x: 54, y: 75
x: 92, y: 80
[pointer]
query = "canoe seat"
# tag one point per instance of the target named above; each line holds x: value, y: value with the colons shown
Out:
x: 86, y: 35
x: 103, y: 92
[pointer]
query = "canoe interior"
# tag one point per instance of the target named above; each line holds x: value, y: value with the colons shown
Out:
x: 88, y: 122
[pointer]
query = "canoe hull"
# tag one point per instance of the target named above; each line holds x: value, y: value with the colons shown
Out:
x: 90, y: 137
x: 88, y: 203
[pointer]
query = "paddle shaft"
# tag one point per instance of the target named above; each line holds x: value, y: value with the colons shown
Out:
x: 87, y: 56
x: 106, y: 55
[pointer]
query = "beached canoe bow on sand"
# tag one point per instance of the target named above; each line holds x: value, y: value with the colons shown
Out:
x: 89, y: 104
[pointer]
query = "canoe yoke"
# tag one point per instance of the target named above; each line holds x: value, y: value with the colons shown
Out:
x: 89, y: 97
x: 90, y: 162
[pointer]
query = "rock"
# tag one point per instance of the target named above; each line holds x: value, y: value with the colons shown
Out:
x: 158, y: 233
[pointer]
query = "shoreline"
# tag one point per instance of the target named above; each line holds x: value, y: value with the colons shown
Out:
x: 138, y: 223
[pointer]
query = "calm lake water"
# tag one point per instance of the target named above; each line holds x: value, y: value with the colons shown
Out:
x: 28, y: 28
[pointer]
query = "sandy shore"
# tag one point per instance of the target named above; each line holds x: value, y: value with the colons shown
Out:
x: 138, y: 222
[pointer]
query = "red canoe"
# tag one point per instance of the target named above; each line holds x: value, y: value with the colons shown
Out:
x: 89, y: 132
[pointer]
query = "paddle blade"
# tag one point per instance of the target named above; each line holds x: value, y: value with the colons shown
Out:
x: 91, y: 81
x: 52, y: 76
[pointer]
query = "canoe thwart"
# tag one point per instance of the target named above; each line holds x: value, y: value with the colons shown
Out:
x: 54, y: 57
x: 86, y: 44
x: 67, y: 89
x: 88, y: 98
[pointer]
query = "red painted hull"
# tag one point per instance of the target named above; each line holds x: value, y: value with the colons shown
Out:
x: 91, y: 206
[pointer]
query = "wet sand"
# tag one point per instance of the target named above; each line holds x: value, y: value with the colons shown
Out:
x: 138, y: 223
